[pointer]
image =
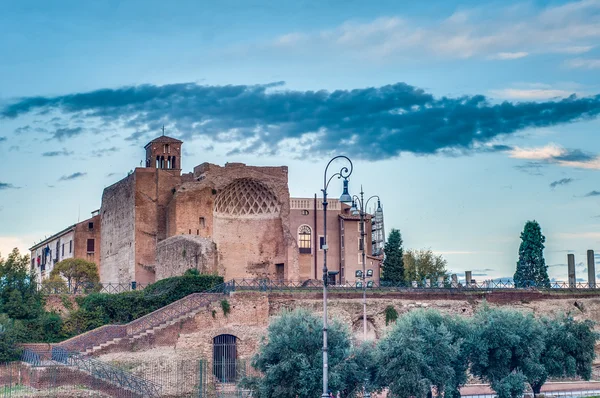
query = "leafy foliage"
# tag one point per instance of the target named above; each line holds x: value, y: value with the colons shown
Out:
x: 226, y: 307
x: 127, y: 306
x: 423, y: 264
x: 393, y: 263
x: 291, y: 362
x: 505, y: 348
x: 390, y: 314
x: 77, y: 272
x: 423, y: 349
x: 531, y: 267
x: 569, y: 349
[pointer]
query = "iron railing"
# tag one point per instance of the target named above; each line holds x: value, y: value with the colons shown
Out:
x: 269, y: 285
x: 88, y: 287
x: 95, y: 368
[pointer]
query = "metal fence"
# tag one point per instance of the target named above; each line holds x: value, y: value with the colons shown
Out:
x: 89, y: 287
x: 86, y: 371
x: 313, y: 284
x: 271, y: 285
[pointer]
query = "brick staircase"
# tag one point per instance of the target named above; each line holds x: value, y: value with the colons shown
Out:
x: 109, y: 335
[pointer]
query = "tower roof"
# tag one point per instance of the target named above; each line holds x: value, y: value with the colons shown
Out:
x: 163, y: 139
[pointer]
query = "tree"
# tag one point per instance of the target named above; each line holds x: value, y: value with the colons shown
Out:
x: 531, y: 267
x: 393, y: 262
x: 78, y: 273
x: 569, y: 349
x: 423, y: 349
x: 19, y: 297
x: 423, y: 264
x: 290, y: 358
x: 505, y: 349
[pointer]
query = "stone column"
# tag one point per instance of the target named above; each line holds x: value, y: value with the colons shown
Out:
x: 468, y: 278
x: 454, y: 280
x: 440, y: 281
x: 571, y: 265
x: 591, y: 269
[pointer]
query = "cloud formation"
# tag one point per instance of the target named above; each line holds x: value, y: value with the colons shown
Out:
x: 5, y: 185
x: 63, y: 152
x: 562, y: 181
x: 73, y: 176
x: 104, y: 151
x: 592, y: 194
x: 369, y: 123
x: 555, y: 154
x: 2, y: 139
x: 504, y: 33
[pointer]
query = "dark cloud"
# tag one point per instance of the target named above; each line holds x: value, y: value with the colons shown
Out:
x: 479, y: 274
x: 373, y: 123
x: 575, y: 155
x: 111, y: 174
x: 3, y: 139
x: 14, y: 148
x: 557, y: 265
x: 592, y: 194
x: 62, y: 152
x: 562, y: 181
x: 482, y: 270
x: 73, y: 176
x: 65, y: 132
x: 5, y: 185
x: 104, y: 151
x: 531, y: 168
x: 23, y: 129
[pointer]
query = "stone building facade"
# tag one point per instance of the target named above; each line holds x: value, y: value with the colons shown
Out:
x: 79, y: 240
x: 235, y: 220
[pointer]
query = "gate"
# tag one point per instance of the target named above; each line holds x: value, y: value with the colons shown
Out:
x: 224, y: 358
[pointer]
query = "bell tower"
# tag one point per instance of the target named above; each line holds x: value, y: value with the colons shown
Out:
x: 164, y: 153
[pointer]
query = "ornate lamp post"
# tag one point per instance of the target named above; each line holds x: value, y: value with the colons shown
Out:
x: 362, y: 205
x: 345, y: 198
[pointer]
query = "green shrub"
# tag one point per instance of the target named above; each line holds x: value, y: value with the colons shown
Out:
x: 226, y: 307
x: 390, y: 314
x: 99, y: 309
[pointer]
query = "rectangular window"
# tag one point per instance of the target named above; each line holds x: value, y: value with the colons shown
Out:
x: 71, y: 246
x: 342, y: 224
x: 62, y: 249
x: 90, y: 245
x: 360, y: 259
x: 342, y: 241
x: 202, y: 222
x: 197, y: 232
x: 91, y: 225
x: 321, y: 242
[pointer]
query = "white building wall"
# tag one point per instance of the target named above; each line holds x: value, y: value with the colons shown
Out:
x: 43, y: 265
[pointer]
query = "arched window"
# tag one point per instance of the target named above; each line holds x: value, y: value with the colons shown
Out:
x: 173, y: 163
x: 162, y: 162
x: 304, y: 239
x: 158, y: 162
x: 224, y: 358
x: 168, y: 162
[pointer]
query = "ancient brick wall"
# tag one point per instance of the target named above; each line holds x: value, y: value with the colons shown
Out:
x: 117, y: 235
x: 153, y: 190
x: 249, y: 244
x: 251, y: 313
x: 177, y: 254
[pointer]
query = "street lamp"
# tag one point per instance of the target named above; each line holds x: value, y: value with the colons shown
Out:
x: 345, y: 198
x: 360, y: 210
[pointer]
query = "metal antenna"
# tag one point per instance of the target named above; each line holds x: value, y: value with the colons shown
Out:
x: 163, y: 129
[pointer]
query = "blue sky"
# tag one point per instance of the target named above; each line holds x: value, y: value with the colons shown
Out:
x: 468, y: 119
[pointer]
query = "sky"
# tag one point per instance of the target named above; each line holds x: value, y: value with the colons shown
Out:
x: 467, y: 118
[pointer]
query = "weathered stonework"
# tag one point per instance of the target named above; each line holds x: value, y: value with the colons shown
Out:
x: 252, y: 312
x: 177, y: 254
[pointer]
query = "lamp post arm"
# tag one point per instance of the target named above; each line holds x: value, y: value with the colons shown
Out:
x: 343, y: 173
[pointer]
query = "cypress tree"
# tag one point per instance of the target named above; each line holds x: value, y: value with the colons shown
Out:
x: 531, y: 267
x: 393, y: 263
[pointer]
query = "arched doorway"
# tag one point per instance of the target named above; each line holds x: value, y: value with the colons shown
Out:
x: 224, y: 358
